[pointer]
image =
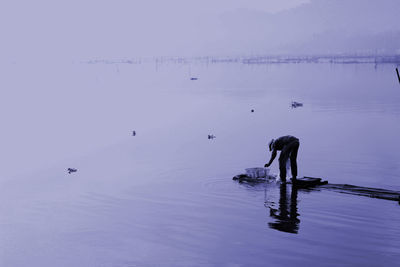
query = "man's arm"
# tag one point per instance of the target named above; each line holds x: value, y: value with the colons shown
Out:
x: 273, y: 155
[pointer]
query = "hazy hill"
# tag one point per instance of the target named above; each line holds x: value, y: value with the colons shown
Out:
x: 120, y: 28
x: 319, y: 26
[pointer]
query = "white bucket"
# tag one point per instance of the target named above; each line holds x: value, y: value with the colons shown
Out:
x: 257, y: 172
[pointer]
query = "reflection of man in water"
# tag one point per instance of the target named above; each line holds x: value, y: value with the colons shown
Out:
x: 288, y: 145
x: 286, y: 220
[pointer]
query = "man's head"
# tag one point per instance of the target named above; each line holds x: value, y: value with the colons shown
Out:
x: 271, y: 145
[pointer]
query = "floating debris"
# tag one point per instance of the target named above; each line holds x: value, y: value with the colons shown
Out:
x: 211, y: 136
x: 245, y: 178
x: 193, y: 79
x: 398, y: 75
x: 311, y: 182
x: 70, y: 170
x: 365, y: 191
x: 296, y: 104
x: 306, y: 182
x: 260, y: 175
x: 134, y: 133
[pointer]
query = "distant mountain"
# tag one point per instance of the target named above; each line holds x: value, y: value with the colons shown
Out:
x: 42, y: 29
x: 321, y: 26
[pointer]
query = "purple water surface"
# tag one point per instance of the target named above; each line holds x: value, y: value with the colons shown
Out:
x: 165, y: 197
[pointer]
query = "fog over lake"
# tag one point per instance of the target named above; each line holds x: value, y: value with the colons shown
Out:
x: 156, y: 106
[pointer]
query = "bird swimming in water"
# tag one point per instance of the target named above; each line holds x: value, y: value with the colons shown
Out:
x: 70, y: 170
x: 296, y: 104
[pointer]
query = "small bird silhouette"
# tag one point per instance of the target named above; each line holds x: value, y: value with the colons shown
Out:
x: 296, y: 104
x: 70, y: 170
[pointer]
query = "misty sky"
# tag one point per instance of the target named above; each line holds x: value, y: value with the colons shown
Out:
x: 121, y: 28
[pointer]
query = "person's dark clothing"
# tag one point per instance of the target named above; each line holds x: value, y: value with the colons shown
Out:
x: 289, y: 146
x: 284, y: 140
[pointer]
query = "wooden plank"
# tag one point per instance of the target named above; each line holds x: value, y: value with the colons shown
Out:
x: 365, y: 191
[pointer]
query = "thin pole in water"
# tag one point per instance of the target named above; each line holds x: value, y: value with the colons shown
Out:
x: 398, y: 75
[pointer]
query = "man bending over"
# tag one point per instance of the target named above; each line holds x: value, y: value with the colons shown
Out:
x: 288, y: 145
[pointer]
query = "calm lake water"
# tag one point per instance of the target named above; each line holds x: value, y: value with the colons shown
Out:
x: 166, y: 197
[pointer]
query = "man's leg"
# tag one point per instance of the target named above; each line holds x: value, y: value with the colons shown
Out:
x: 282, y: 164
x: 293, y: 158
